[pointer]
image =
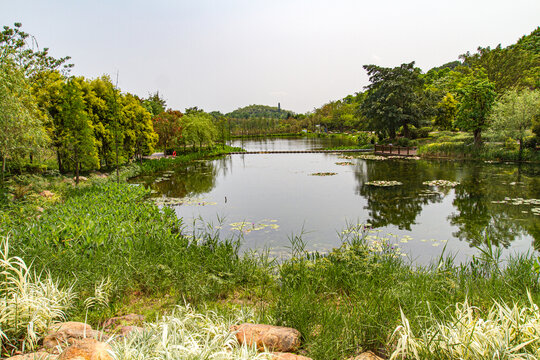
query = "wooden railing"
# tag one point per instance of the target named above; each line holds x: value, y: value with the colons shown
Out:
x: 395, y: 150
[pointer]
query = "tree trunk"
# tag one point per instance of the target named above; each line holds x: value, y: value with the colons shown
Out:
x: 477, y: 137
x: 520, y: 154
x: 3, y: 168
x: 59, y: 159
x: 406, y: 131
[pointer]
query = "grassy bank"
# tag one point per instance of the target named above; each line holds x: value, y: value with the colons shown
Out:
x: 107, y: 241
x: 459, y: 145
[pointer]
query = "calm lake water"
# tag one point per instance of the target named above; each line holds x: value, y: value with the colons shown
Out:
x: 267, y: 199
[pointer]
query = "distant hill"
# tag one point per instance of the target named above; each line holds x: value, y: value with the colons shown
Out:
x: 260, y: 111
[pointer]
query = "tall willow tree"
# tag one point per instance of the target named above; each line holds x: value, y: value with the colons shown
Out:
x: 21, y: 130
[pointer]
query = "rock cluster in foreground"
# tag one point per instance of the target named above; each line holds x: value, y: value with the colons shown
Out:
x: 78, y: 341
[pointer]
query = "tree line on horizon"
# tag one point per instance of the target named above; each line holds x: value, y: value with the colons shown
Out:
x: 88, y: 124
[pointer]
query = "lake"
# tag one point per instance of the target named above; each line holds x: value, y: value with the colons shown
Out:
x: 269, y: 198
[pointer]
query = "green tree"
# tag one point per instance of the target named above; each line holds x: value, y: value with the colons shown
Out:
x: 395, y: 98
x: 476, y: 99
x: 21, y: 129
x: 199, y: 128
x: 514, y: 113
x: 140, y: 137
x: 155, y: 104
x: 77, y: 135
x: 446, y: 112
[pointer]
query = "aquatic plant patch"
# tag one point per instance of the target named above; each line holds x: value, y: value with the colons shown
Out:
x: 167, y: 201
x: 246, y: 227
x: 521, y: 201
x: 384, y: 183
x: 323, y: 174
x: 344, y: 163
x: 441, y: 183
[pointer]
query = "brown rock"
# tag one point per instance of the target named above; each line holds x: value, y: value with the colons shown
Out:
x: 46, y: 193
x: 87, y: 349
x: 288, y: 356
x: 368, y: 355
x: 40, y: 355
x: 276, y: 338
x: 68, y: 333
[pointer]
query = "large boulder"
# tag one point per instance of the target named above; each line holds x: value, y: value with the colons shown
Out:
x: 273, y: 338
x: 87, y: 349
x: 68, y: 333
x: 40, y: 355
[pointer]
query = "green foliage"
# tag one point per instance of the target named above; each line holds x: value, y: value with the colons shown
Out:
x: 514, y: 113
x: 199, y: 129
x: 447, y: 110
x: 155, y: 104
x: 77, y: 142
x: 476, y: 99
x: 506, y: 68
x: 395, y: 98
x: 21, y: 129
x: 260, y: 111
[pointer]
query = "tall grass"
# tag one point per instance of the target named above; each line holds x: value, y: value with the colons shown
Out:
x: 29, y: 302
x: 185, y: 334
x: 503, y: 332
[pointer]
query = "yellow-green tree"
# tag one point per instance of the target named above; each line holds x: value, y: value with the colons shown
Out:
x: 514, y: 113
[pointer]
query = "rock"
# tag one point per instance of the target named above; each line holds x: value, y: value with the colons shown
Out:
x: 288, y: 356
x: 68, y: 333
x: 46, y: 194
x: 87, y: 349
x: 81, y: 178
x: 116, y: 324
x: 40, y: 355
x: 274, y: 338
x: 368, y: 355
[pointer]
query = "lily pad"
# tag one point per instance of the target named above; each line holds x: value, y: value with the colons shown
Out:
x: 384, y: 183
x: 441, y: 183
x: 323, y: 174
x: 345, y: 163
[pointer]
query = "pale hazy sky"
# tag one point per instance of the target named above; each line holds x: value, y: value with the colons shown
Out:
x: 225, y: 54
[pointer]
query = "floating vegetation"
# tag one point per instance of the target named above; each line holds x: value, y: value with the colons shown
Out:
x: 441, y: 183
x: 400, y: 157
x: 371, y: 157
x: 246, y: 226
x: 323, y: 174
x: 344, y: 163
x: 347, y: 157
x: 521, y: 201
x: 169, y: 201
x: 384, y: 183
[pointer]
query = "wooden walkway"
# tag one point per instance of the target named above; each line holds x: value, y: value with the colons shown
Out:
x: 395, y: 150
x: 300, y: 151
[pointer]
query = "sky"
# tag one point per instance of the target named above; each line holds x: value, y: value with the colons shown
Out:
x: 225, y: 54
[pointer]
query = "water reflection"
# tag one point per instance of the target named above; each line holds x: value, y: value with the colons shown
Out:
x: 397, y: 205
x: 278, y: 187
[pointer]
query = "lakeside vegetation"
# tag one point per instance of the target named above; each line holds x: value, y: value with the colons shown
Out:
x: 342, y: 302
x: 102, y: 248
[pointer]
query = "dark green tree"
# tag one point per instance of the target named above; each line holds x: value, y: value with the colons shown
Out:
x: 476, y: 98
x: 395, y: 99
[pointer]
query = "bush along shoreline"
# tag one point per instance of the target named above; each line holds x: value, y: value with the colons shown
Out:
x: 107, y: 250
